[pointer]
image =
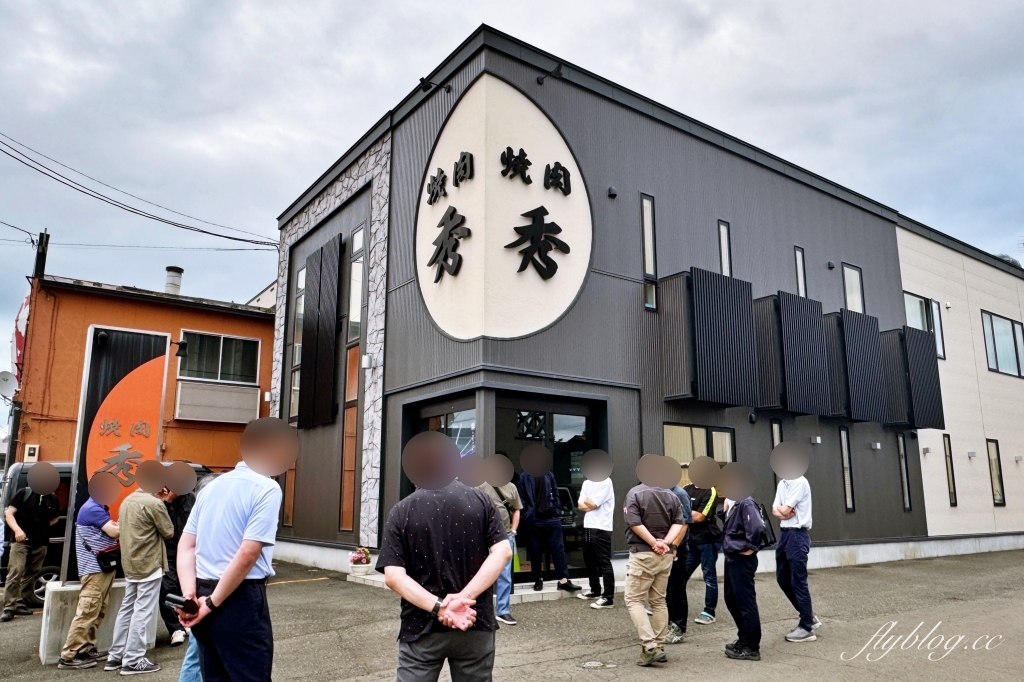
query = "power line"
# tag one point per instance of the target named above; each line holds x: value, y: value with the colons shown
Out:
x: 138, y: 247
x: 17, y: 228
x: 64, y: 180
x: 145, y: 201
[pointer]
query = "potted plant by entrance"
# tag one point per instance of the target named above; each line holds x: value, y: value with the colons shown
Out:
x: 359, y: 561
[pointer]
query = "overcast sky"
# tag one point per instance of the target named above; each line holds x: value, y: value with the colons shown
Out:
x: 227, y: 111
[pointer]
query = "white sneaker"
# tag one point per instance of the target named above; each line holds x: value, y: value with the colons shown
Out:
x: 177, y: 638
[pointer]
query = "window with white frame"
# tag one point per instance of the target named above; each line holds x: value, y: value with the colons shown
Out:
x: 853, y: 285
x: 801, y: 272
x: 925, y: 314
x: 219, y: 358
x: 901, y: 453
x: 844, y: 451
x: 725, y: 247
x: 650, y: 258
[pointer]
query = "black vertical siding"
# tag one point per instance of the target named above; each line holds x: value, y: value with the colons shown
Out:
x: 770, y: 389
x: 310, y: 319
x: 838, y: 395
x: 894, y: 367
x: 802, y: 329
x: 923, y: 375
x: 864, y: 367
x: 327, y: 333
x: 723, y: 324
x: 676, y: 329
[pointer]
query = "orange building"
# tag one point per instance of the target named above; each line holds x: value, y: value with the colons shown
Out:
x: 109, y: 371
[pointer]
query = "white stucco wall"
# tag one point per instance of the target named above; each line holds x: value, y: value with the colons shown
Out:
x: 978, y: 404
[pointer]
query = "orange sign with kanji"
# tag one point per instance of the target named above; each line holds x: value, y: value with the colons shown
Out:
x: 126, y: 427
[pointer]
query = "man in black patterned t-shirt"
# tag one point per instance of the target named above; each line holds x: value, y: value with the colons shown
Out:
x: 442, y: 550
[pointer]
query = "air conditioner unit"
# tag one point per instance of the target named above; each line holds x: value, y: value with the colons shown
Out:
x: 31, y: 453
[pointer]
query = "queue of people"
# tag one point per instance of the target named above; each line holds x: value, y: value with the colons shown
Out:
x: 447, y: 549
x: 448, y: 610
x: 201, y: 558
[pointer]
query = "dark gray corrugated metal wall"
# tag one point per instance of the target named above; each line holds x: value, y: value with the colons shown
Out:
x: 770, y: 388
x: 676, y: 330
x: 867, y: 386
x: 894, y: 369
x: 923, y: 374
x: 723, y: 325
x: 804, y: 354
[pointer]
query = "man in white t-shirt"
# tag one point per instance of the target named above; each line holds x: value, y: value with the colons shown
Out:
x: 793, y: 507
x: 597, y: 499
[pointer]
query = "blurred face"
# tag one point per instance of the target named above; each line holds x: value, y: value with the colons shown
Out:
x: 790, y: 460
x: 430, y: 460
x: 269, y: 446
x: 43, y: 478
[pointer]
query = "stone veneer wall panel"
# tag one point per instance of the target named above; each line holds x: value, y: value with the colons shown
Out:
x: 373, y: 167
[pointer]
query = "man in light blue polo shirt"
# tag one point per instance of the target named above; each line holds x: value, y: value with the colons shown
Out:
x: 225, y: 553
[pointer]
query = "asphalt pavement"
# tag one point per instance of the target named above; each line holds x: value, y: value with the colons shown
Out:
x: 970, y: 610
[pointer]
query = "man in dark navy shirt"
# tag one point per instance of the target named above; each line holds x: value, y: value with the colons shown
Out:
x: 442, y: 551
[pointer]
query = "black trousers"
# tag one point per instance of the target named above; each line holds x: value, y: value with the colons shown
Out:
x: 236, y: 642
x: 791, y: 572
x: 741, y: 599
x: 169, y: 585
x: 597, y: 555
x: 547, y: 534
x: 688, y: 559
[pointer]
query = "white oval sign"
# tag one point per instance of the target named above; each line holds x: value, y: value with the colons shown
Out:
x: 504, y: 228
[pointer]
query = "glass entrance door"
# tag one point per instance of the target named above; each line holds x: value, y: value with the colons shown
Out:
x: 567, y: 430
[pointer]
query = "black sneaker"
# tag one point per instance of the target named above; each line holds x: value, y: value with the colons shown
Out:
x: 603, y: 603
x: 588, y: 595
x: 507, y: 619
x: 6, y: 616
x: 744, y: 654
x: 139, y: 667
x: 569, y: 587
x: 75, y: 664
x: 21, y: 610
x: 89, y: 654
x: 538, y: 586
x: 112, y: 664
x: 732, y: 646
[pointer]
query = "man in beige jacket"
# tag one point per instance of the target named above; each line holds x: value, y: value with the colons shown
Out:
x: 145, y: 525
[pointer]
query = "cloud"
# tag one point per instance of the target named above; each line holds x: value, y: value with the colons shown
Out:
x: 228, y: 111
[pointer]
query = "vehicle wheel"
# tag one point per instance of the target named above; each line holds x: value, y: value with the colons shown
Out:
x: 38, y: 596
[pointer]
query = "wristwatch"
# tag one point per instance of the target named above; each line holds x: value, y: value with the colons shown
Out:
x: 436, y: 609
x: 673, y: 547
x: 210, y: 605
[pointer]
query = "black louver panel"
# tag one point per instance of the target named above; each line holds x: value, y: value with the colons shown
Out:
x: 675, y: 317
x: 327, y: 333
x: 723, y: 323
x: 802, y: 330
x: 923, y: 374
x: 770, y: 388
x: 311, y: 315
x: 866, y: 379
x: 838, y: 402
x: 896, y: 396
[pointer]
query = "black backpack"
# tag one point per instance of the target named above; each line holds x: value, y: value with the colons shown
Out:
x: 769, y: 531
